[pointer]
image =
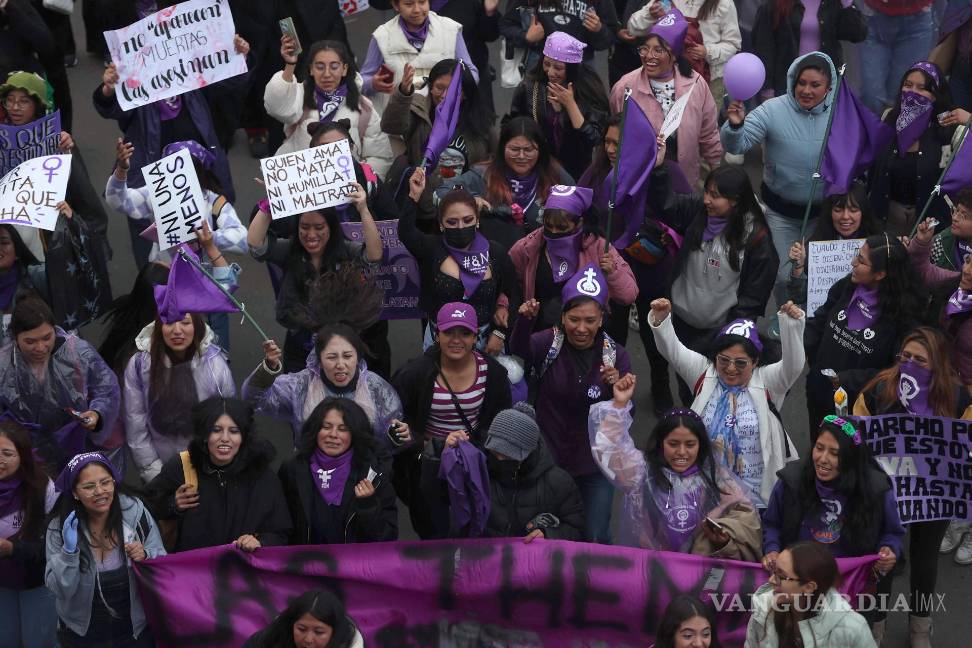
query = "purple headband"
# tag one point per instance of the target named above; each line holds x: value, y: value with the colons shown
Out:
x: 573, y: 200
x: 205, y: 157
x: 65, y: 481
x: 928, y: 68
x: 846, y: 427
x: 745, y: 328
x: 681, y: 411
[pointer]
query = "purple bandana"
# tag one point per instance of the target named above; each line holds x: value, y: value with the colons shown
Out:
x: 169, y: 108
x: 564, y: 253
x: 960, y: 302
x: 8, y: 286
x: 916, y: 111
x: 472, y: 262
x: 863, y: 308
x: 524, y: 189
x: 330, y: 474
x: 415, y: 38
x: 714, y: 227
x: 203, y: 155
x: 329, y: 102
x: 10, y: 495
x: 914, y: 385
x: 826, y: 528
x: 65, y: 481
x: 962, y: 251
x: 928, y: 68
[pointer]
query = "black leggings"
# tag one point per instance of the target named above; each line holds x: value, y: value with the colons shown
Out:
x: 926, y: 538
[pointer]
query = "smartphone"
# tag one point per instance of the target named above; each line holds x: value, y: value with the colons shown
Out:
x: 385, y: 71
x: 932, y: 222
x: 287, y: 29
x: 713, y: 525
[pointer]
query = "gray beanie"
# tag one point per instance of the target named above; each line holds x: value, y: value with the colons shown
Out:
x: 514, y: 432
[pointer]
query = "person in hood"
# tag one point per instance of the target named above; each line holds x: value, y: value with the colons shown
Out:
x: 222, y: 491
x: 675, y: 487
x: 315, y: 619
x: 339, y: 486
x: 800, y: 605
x: 840, y: 498
x: 788, y: 126
x: 57, y: 383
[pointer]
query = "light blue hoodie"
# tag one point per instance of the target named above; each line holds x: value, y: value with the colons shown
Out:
x: 791, y: 136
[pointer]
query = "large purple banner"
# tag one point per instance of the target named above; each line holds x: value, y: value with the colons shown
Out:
x: 398, y: 274
x: 929, y: 460
x: 452, y: 593
x: 21, y: 143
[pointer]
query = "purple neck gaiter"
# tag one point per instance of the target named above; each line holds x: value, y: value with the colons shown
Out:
x: 714, y: 227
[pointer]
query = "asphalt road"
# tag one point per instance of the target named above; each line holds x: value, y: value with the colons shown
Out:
x: 96, y: 138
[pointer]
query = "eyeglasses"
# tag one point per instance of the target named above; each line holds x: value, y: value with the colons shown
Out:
x: 106, y: 484
x: 780, y: 578
x: 23, y: 102
x: 921, y: 361
x: 724, y: 362
x: 657, y: 50
x: 522, y: 151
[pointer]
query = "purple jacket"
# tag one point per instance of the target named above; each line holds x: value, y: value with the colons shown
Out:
x: 464, y: 470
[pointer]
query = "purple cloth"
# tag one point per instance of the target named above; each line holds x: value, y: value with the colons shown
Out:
x: 744, y: 328
x: 563, y: 47
x: 8, y: 286
x: 928, y: 68
x: 959, y: 174
x: 464, y: 470
x: 473, y: 263
x: 916, y: 112
x: 573, y: 200
x: 169, y: 108
x: 10, y: 495
x: 857, y: 137
x: 415, y: 36
x: 864, y: 308
x: 524, y: 188
x: 588, y: 282
x: 714, y: 226
x: 914, y: 387
x: 825, y: 526
x: 960, y: 302
x: 564, y: 253
x: 205, y: 157
x: 672, y: 27
x: 65, y: 481
x: 638, y: 151
x: 810, y: 27
x: 329, y: 102
x: 330, y: 474
x: 446, y: 120
x: 189, y: 291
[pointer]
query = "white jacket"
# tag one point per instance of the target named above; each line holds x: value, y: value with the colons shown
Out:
x: 773, y: 380
x: 284, y: 102
x: 836, y: 626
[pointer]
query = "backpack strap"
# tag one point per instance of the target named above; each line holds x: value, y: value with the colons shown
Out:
x: 218, y: 205
x: 189, y: 474
x: 698, y: 385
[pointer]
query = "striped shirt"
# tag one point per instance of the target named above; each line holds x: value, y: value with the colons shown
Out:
x: 443, y: 417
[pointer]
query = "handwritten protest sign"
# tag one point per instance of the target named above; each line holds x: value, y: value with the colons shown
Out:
x: 674, y: 116
x: 175, y: 50
x: 827, y: 262
x: 352, y: 7
x: 21, y: 143
x: 314, y: 178
x: 928, y: 460
x: 176, y: 197
x: 30, y: 192
x: 398, y: 274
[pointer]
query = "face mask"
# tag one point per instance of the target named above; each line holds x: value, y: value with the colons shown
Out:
x: 502, y: 467
x: 459, y: 237
x: 556, y: 235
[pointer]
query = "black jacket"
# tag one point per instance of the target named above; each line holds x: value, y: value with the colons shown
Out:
x: 538, y: 487
x: 777, y: 47
x: 244, y: 498
x: 870, y: 401
x: 564, y: 16
x: 374, y: 519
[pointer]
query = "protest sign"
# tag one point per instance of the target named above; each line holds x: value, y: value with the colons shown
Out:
x: 311, y: 179
x: 29, y: 194
x: 350, y: 8
x: 180, y: 48
x: 827, y: 262
x: 176, y: 197
x: 21, y: 143
x: 498, y: 592
x: 398, y: 274
x: 928, y: 460
x: 674, y: 116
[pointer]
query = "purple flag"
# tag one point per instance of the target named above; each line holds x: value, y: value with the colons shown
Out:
x: 638, y: 151
x: 857, y: 136
x: 959, y: 173
x: 189, y: 291
x: 446, y: 119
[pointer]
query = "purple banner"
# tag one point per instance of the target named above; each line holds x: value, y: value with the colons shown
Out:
x: 398, y: 274
x: 36, y: 139
x: 929, y: 460
x: 451, y: 593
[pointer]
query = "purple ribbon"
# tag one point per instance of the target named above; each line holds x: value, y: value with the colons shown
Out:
x: 916, y: 111
x: 914, y: 385
x: 329, y: 102
x: 330, y: 474
x: 564, y: 253
x: 473, y: 263
x: 863, y: 309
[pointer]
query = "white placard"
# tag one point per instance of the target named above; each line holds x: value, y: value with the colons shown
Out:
x: 176, y: 197
x: 827, y: 263
x: 180, y: 48
x: 314, y: 178
x: 674, y: 116
x: 29, y: 193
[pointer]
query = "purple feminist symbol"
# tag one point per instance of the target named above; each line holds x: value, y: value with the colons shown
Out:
x: 52, y: 169
x: 344, y: 161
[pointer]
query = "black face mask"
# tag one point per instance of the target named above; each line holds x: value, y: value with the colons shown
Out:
x: 556, y: 235
x: 502, y: 467
x: 459, y: 237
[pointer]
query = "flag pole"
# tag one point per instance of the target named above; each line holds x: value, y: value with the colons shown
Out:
x: 823, y: 149
x: 222, y: 289
x: 617, y: 171
x: 938, y: 184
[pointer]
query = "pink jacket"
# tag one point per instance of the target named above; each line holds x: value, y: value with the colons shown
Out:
x: 699, y: 121
x: 525, y: 254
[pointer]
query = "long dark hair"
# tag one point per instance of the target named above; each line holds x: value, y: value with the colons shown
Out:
x: 297, y: 256
x: 362, y: 437
x: 732, y: 182
x: 655, y: 456
x: 204, y: 416
x: 600, y: 166
x: 682, y: 608
x: 943, y: 102
x: 588, y: 86
x: 129, y: 314
x: 898, y: 290
x: 33, y: 489
x: 475, y: 116
x: 812, y: 561
x: 344, y: 297
x: 856, y: 196
x: 163, y: 389
x: 320, y: 604
x: 353, y: 98
x: 24, y: 256
x: 498, y: 191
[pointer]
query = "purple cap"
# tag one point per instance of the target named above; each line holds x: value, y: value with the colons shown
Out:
x: 573, y: 200
x: 65, y: 481
x: 672, y: 27
x: 930, y: 69
x: 205, y: 157
x: 588, y: 282
x: 743, y: 328
x: 564, y: 48
x: 456, y: 314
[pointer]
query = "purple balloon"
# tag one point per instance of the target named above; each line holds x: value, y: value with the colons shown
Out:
x: 744, y: 75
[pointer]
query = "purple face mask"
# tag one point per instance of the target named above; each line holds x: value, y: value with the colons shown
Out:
x: 914, y: 385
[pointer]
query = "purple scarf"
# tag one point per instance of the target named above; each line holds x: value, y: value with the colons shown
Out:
x: 8, y: 286
x: 714, y: 227
x: 914, y: 385
x: 330, y: 474
x: 962, y: 250
x: 415, y: 38
x: 329, y: 102
x: 960, y: 302
x: 170, y: 108
x: 825, y: 528
x: 916, y: 111
x: 524, y: 188
x: 863, y: 309
x: 564, y: 253
x: 472, y: 263
x: 10, y: 495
